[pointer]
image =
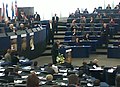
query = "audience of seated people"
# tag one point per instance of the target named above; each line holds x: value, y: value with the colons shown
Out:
x: 73, y: 80
x: 23, y: 22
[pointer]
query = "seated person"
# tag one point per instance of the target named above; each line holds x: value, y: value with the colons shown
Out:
x: 67, y: 63
x: 7, y: 77
x: 32, y: 80
x: 49, y: 79
x: 117, y: 81
x: 82, y: 23
x: 91, y: 19
x: 95, y: 63
x: 73, y: 80
x: 117, y: 70
x: 105, y: 15
x: 73, y: 25
x: 77, y: 42
x: 85, y: 68
x: 35, y: 65
x: 22, y: 27
x: 7, y: 56
x: 96, y: 83
x: 74, y: 35
x: 99, y: 16
x: 49, y: 69
x: 15, y: 58
x: 86, y: 36
x: 15, y: 72
x: 74, y: 32
x: 111, y: 22
x: 11, y: 28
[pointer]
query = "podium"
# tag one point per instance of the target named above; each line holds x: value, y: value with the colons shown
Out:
x: 68, y: 56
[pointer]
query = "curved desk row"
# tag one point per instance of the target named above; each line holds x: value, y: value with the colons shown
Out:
x: 76, y: 51
x: 91, y: 43
x: 113, y: 52
x: 97, y: 20
x: 29, y: 43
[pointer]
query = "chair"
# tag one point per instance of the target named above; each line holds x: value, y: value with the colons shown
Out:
x: 57, y: 76
x: 4, y: 83
x: 20, y: 85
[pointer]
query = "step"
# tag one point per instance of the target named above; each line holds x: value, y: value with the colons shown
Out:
x: 60, y: 33
x: 101, y: 51
x: 62, y: 23
x: 58, y: 38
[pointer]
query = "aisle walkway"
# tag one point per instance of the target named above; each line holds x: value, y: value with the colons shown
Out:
x: 103, y: 60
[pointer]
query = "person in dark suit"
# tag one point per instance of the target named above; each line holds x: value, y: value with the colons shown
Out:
x: 117, y: 81
x: 55, y: 20
x: 36, y: 17
x: 95, y: 11
x: 86, y: 36
x: 108, y: 7
x: 85, y: 11
x: 11, y: 28
x: 77, y: 13
x: 105, y: 33
x: 15, y: 58
x: 73, y: 25
x: 85, y: 68
x: 77, y: 42
x: 54, y: 51
x: 95, y: 63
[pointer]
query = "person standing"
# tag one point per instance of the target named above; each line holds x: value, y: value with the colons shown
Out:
x: 105, y: 34
x: 54, y: 51
x: 36, y: 17
x: 55, y: 20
